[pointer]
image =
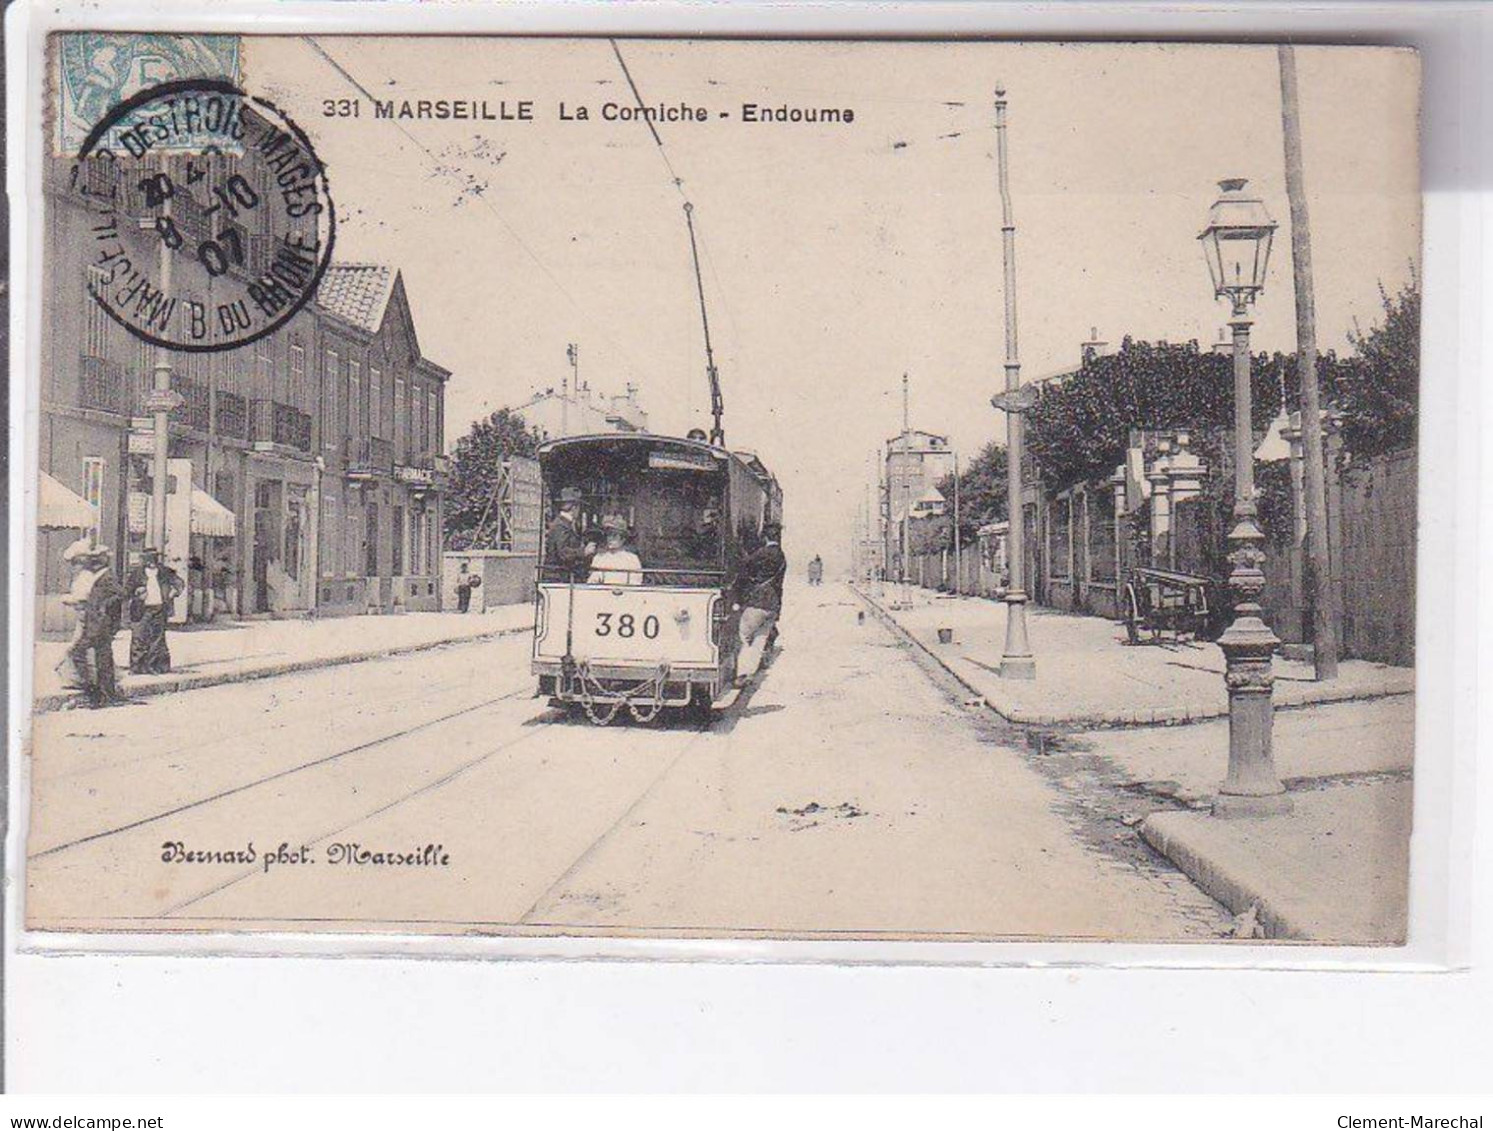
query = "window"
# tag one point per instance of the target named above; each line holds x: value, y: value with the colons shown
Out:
x: 96, y: 332
x: 331, y: 379
x: 421, y: 444
x: 266, y: 376
x: 93, y: 493
x: 297, y: 375
x: 376, y: 403
x: 354, y: 398
x: 433, y: 422
x: 400, y: 439
x: 396, y: 541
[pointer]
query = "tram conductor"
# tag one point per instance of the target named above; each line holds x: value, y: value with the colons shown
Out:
x: 566, y: 550
x: 761, y: 584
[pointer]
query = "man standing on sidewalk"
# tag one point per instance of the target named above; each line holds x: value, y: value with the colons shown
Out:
x: 466, y: 581
x: 100, y: 614
x: 761, y: 583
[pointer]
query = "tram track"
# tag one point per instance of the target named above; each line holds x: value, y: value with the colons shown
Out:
x: 284, y: 721
x: 542, y: 726
x: 279, y: 775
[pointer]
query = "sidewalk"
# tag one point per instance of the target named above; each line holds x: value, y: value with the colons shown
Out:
x: 1087, y: 676
x: 1334, y: 870
x: 229, y: 651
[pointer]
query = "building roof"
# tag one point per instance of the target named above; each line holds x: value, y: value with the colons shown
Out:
x: 357, y: 293
x: 930, y: 440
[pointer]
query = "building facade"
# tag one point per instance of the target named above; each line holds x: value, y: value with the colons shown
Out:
x: 911, y: 505
x: 305, y: 467
x: 583, y: 412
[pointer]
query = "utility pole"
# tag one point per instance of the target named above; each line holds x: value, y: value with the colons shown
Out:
x: 906, y: 498
x: 1324, y: 596
x: 160, y: 403
x: 1017, y: 662
x: 958, y: 556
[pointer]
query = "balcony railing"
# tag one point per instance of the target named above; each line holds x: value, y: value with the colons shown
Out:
x: 195, y: 408
x: 102, y: 385
x: 281, y: 424
x: 233, y: 416
x: 368, y: 456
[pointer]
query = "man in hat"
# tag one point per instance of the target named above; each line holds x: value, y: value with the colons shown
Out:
x: 74, y: 668
x: 761, y: 589
x: 564, y: 549
x: 466, y: 581
x: 99, y: 622
x: 616, y: 564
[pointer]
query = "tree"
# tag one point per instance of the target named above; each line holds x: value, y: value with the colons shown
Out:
x: 982, y: 492
x: 1378, y: 388
x: 475, y: 471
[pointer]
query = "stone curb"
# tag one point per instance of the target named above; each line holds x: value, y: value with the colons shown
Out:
x: 1156, y: 717
x: 193, y: 681
x: 890, y: 621
x: 1165, y: 831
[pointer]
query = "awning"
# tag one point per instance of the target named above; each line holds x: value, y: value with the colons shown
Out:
x: 211, y: 517
x: 61, y: 509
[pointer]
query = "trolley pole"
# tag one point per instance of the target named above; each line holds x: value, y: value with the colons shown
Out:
x: 1017, y: 662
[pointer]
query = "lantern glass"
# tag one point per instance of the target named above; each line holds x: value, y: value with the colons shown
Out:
x: 1236, y: 243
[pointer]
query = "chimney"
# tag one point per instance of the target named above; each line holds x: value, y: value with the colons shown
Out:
x: 1092, y: 348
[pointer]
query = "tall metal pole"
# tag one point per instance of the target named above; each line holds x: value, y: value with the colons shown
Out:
x: 1251, y: 787
x: 1017, y: 662
x: 958, y: 545
x: 906, y: 498
x: 160, y: 402
x: 1324, y: 595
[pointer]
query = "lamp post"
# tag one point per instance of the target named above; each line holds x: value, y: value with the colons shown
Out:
x: 1017, y: 662
x: 1236, y: 244
x: 160, y: 402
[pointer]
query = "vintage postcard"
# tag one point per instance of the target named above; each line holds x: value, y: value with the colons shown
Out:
x: 665, y: 488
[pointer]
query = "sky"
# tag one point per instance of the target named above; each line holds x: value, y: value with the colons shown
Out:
x: 837, y: 257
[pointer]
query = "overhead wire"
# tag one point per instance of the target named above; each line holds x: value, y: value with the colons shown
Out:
x: 523, y: 244
x: 694, y: 234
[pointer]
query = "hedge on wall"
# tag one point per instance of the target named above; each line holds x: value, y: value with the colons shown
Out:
x: 1080, y: 428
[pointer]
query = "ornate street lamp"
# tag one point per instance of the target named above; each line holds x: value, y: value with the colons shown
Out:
x: 1236, y: 243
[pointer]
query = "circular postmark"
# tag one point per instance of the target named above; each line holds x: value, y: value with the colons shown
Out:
x: 212, y: 222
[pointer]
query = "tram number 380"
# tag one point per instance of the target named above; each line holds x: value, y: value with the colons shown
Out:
x: 626, y: 625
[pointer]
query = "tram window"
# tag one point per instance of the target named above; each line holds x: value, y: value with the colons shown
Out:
x: 674, y: 521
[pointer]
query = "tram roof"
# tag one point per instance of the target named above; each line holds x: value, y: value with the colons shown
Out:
x: 622, y: 440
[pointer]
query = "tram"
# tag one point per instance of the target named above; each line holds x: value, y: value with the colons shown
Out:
x: 665, y: 634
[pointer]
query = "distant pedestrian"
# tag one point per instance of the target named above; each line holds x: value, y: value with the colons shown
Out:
x: 152, y: 589
x: 761, y: 601
x: 816, y: 570
x: 466, y: 581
